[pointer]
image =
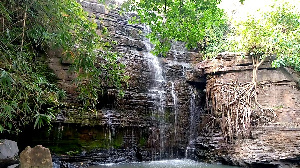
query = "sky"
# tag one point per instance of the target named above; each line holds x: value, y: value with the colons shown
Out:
x: 238, y: 11
x: 250, y: 7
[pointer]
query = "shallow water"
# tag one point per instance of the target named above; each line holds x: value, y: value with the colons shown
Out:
x: 182, y: 163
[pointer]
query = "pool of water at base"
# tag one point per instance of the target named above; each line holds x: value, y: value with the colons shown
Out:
x: 177, y: 163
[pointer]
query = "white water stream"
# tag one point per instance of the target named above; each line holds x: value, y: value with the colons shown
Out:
x: 157, y: 92
x: 183, y: 163
x: 174, y: 97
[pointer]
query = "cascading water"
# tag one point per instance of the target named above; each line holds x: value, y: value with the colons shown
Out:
x: 174, y: 116
x: 194, y: 122
x: 192, y: 115
x: 157, y: 92
x: 110, y: 127
x: 173, y: 92
x: 174, y: 97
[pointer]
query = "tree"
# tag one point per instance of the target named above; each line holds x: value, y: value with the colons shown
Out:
x: 28, y: 91
x: 275, y: 34
x: 200, y: 24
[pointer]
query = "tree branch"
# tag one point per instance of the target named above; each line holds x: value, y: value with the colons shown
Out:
x: 24, y: 26
x: 261, y: 61
x: 165, y: 6
x: 3, y: 24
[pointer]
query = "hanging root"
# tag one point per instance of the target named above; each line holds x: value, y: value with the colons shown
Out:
x: 235, y: 104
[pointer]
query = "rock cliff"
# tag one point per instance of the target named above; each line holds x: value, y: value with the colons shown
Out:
x: 273, y: 142
x: 160, y: 99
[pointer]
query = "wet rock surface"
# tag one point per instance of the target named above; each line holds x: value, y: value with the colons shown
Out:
x: 274, y: 143
x: 98, y: 157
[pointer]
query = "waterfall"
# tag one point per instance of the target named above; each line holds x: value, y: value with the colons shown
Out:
x: 157, y: 92
x: 174, y: 97
x: 174, y: 101
x: 194, y: 121
x: 175, y: 109
x: 192, y: 115
x: 158, y: 115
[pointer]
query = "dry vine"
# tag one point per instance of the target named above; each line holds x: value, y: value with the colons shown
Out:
x: 235, y: 105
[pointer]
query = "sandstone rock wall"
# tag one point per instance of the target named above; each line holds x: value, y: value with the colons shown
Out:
x: 158, y: 96
x: 274, y: 143
x: 163, y: 106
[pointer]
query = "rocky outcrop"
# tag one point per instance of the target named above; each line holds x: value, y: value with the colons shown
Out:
x: 61, y: 68
x: 36, y: 157
x: 272, y: 143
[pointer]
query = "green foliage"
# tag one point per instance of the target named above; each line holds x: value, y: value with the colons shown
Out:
x: 24, y: 97
x: 28, y: 92
x: 200, y: 24
x: 242, y: 1
x: 277, y: 33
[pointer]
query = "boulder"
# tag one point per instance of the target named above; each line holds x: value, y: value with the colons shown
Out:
x: 8, y: 153
x: 8, y: 149
x: 37, y: 157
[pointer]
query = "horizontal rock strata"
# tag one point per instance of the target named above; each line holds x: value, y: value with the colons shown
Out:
x: 274, y: 142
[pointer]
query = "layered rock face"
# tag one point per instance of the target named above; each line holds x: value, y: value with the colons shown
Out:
x: 158, y: 97
x: 274, y: 142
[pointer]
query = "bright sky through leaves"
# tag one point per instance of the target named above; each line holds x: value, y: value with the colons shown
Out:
x: 250, y: 7
x: 240, y: 12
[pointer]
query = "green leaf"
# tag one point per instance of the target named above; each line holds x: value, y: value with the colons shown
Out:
x: 1, y: 129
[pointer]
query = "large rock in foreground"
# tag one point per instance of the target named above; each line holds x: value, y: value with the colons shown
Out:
x: 8, y: 152
x: 37, y: 157
x: 8, y: 149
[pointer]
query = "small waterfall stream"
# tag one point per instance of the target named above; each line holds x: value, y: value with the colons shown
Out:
x: 174, y: 97
x: 157, y: 92
x: 194, y: 121
x: 175, y: 109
